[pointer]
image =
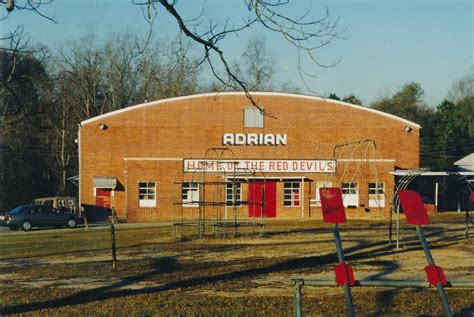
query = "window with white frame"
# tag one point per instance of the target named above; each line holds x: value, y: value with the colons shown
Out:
x: 376, y: 195
x: 253, y: 118
x: 190, y: 194
x: 146, y: 194
x: 233, y: 194
x: 291, y: 194
x: 349, y: 188
x: 376, y: 189
x: 350, y: 194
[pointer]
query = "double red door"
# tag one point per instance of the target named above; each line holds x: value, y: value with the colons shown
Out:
x: 257, y: 193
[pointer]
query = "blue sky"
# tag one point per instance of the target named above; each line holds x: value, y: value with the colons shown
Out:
x: 389, y: 43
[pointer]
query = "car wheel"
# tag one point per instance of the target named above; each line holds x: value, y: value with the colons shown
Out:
x: 26, y: 225
x: 71, y: 223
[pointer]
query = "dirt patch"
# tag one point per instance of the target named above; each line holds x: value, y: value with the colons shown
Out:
x: 237, y: 276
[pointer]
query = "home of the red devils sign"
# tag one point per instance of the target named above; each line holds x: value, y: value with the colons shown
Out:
x: 266, y: 166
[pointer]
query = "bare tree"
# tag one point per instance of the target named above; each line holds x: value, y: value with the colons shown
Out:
x: 463, y: 87
x: 84, y: 64
x: 306, y: 34
x: 259, y: 64
x: 63, y: 130
x: 28, y: 5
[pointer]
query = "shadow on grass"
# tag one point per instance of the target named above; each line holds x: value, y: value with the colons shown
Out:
x: 114, y: 291
x: 363, y: 250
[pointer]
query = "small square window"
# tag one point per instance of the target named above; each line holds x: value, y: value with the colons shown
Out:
x: 146, y: 194
x: 190, y: 194
x: 253, y: 118
x: 291, y: 194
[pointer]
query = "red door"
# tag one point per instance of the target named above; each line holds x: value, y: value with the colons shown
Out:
x: 257, y: 190
x: 102, y: 197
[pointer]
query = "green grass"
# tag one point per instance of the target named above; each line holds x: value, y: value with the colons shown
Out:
x: 68, y: 272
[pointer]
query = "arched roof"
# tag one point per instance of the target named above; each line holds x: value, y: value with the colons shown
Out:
x: 214, y: 94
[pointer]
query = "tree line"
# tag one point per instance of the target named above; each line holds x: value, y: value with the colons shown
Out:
x: 44, y: 96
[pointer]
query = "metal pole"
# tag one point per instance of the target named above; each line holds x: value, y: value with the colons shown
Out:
x: 429, y: 258
x: 302, y: 197
x: 388, y: 283
x: 126, y: 189
x: 112, y: 232
x: 467, y: 224
x: 390, y: 221
x: 297, y: 311
x: 340, y: 257
x: 398, y: 227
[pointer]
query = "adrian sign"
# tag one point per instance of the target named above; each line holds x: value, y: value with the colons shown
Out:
x: 254, y: 139
x: 266, y: 166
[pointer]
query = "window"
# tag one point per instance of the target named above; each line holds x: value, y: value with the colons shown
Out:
x: 376, y: 189
x: 253, y: 118
x: 376, y: 195
x: 233, y: 193
x: 349, y: 188
x: 190, y: 194
x: 147, y: 194
x: 350, y: 195
x: 291, y: 194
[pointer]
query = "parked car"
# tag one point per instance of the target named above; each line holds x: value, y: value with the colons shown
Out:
x: 28, y: 216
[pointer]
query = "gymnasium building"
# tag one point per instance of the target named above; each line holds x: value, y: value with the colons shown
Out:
x: 217, y: 155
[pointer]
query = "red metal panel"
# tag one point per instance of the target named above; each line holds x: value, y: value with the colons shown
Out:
x: 435, y: 275
x: 102, y: 197
x: 270, y: 199
x: 331, y: 203
x: 413, y: 207
x: 471, y: 197
x: 343, y: 273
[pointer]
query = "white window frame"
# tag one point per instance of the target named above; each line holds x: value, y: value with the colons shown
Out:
x: 376, y: 194
x: 146, y: 194
x: 253, y: 118
x: 318, y: 186
x: 350, y: 194
x: 229, y: 194
x: 190, y: 194
x: 289, y: 194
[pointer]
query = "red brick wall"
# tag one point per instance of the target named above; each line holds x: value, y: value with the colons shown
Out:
x: 186, y: 127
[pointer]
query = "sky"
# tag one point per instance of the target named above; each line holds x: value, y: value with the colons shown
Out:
x: 388, y: 43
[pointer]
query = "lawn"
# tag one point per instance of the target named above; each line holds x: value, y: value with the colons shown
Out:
x: 69, y: 272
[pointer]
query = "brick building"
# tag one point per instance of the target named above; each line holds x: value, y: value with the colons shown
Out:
x: 152, y: 159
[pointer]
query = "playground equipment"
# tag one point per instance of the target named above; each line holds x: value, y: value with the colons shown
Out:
x: 415, y: 214
x: 210, y: 195
x: 406, y: 180
x: 359, y: 166
x: 469, y: 218
x: 333, y: 212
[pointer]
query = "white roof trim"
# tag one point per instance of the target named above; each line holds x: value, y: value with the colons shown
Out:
x: 152, y: 159
x: 214, y: 94
x: 365, y: 160
x: 428, y: 173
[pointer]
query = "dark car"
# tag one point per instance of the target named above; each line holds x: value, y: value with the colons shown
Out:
x: 28, y: 216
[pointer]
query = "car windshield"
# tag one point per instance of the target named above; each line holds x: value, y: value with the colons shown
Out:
x: 17, y: 210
